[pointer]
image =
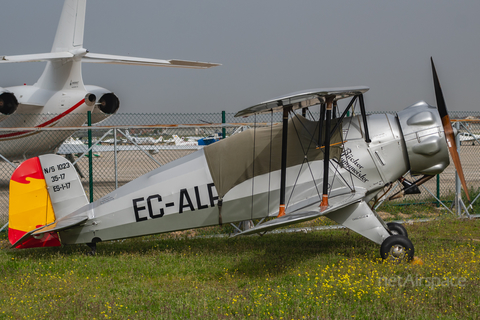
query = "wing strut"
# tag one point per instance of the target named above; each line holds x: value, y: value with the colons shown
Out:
x: 344, y: 114
x: 320, y: 125
x: 364, y: 118
x: 334, y: 112
x: 326, y: 159
x: 283, y: 172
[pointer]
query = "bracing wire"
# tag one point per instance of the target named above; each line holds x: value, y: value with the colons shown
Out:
x: 347, y: 130
x: 305, y: 160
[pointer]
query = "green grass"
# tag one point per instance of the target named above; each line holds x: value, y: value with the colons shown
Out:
x: 334, y: 274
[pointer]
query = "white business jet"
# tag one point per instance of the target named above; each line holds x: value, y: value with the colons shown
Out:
x: 60, y: 91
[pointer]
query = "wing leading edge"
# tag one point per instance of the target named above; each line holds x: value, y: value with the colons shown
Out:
x: 302, y: 99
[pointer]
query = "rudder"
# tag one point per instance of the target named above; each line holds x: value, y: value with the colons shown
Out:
x: 42, y: 190
x: 29, y: 206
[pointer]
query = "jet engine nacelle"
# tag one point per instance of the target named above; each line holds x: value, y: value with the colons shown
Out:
x: 8, y: 103
x: 107, y: 103
x: 424, y: 138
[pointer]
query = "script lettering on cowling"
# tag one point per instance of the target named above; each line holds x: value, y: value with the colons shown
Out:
x: 352, y: 165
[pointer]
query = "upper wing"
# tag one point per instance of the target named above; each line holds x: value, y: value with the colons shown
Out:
x: 302, y: 99
x: 114, y: 59
x: 309, y: 212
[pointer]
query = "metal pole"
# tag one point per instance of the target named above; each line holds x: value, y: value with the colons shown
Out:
x: 115, y: 156
x: 90, y: 156
x: 459, y: 205
x: 8, y: 161
x: 1, y: 229
x: 438, y: 189
x: 223, y: 128
x: 458, y: 190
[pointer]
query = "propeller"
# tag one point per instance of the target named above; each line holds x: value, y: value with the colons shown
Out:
x: 447, y: 127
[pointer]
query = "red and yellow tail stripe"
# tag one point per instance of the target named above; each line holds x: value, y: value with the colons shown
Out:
x: 30, y: 206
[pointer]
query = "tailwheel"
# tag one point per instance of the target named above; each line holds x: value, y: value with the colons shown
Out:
x: 397, y: 248
x: 397, y: 228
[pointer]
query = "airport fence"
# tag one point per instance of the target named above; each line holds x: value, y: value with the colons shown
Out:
x: 126, y: 146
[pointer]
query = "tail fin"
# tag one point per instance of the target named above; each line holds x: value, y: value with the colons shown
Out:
x: 61, y: 74
x: 42, y: 190
x: 70, y: 28
x: 178, y: 141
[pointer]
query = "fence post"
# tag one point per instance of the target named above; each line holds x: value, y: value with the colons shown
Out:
x: 223, y: 128
x: 115, y: 156
x: 90, y: 156
x: 438, y: 189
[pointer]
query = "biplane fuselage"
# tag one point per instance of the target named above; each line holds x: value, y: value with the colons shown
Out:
x: 183, y: 194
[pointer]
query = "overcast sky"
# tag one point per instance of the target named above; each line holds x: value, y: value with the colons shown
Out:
x: 267, y: 48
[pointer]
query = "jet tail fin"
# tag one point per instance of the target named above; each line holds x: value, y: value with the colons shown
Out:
x: 42, y: 190
x: 70, y: 28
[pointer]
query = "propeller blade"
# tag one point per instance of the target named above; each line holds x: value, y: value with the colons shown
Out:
x: 447, y: 127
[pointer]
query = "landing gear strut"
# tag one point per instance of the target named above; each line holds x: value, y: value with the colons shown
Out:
x: 93, y: 247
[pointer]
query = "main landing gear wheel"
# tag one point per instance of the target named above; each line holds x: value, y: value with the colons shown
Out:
x: 397, y: 248
x: 397, y: 228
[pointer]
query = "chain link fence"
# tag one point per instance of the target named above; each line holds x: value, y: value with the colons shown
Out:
x: 126, y: 146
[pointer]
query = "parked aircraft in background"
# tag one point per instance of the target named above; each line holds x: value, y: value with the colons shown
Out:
x: 181, y: 142
x: 469, y: 137
x: 143, y: 140
x: 295, y: 172
x: 201, y: 141
x: 60, y: 90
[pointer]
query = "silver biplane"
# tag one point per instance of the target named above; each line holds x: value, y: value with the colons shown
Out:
x: 290, y: 173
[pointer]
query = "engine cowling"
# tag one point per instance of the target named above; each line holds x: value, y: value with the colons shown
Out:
x: 107, y: 103
x: 8, y: 103
x: 424, y: 138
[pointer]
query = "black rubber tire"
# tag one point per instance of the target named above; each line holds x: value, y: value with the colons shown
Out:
x: 397, y: 248
x: 397, y: 228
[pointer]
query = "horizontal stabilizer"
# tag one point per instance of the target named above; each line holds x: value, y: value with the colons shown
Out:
x: 25, y: 237
x: 36, y: 57
x: 307, y: 213
x: 71, y: 220
x: 108, y: 58
x: 114, y: 59
x: 64, y: 223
